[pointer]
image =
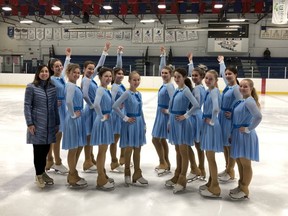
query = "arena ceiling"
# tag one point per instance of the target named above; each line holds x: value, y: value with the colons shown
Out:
x: 126, y: 13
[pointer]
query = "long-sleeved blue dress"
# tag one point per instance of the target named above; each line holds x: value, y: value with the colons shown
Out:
x: 245, y: 144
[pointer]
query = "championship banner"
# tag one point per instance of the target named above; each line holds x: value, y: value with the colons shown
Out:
x: 147, y: 35
x: 118, y: 35
x: 39, y: 33
x: 137, y: 36
x: 221, y: 45
x: 57, y: 33
x: 158, y: 36
x: 31, y: 34
x: 280, y: 11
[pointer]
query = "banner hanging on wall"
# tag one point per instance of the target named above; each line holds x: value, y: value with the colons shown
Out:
x: 10, y: 31
x: 227, y: 45
x: 280, y: 11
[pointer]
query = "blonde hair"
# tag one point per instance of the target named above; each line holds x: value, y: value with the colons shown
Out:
x: 253, y: 91
x: 71, y: 67
x: 133, y: 73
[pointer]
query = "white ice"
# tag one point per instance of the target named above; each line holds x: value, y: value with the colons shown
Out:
x: 20, y: 196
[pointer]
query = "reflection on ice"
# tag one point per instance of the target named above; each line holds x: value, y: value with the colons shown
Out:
x: 19, y: 196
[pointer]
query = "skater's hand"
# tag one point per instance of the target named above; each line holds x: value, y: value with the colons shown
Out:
x: 77, y: 114
x: 244, y: 130
x: 105, y: 117
x: 220, y: 59
x: 190, y: 56
x: 180, y: 117
x: 68, y: 52
x: 107, y: 46
x: 165, y: 111
x: 162, y: 50
x: 131, y: 119
x: 209, y: 121
x: 31, y: 129
x: 120, y: 49
x: 227, y: 115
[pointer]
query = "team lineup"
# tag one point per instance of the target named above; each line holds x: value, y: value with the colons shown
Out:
x: 57, y: 109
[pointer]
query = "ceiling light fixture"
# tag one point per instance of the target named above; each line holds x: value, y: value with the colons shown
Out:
x: 65, y: 21
x: 55, y: 8
x: 162, y: 6
x: 218, y: 6
x: 26, y: 21
x: 105, y: 21
x: 6, y: 8
x: 191, y: 20
x: 107, y: 7
x: 236, y: 20
x: 147, y: 21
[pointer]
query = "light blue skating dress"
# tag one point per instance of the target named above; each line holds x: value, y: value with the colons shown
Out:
x: 199, y: 93
x: 116, y: 92
x: 246, y: 144
x: 89, y: 88
x: 160, y: 127
x: 102, y: 130
x: 74, y: 134
x: 60, y: 83
x: 132, y: 134
x: 211, y: 137
x: 229, y: 97
x: 181, y: 132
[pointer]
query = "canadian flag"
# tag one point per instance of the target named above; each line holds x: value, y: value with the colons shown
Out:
x: 280, y: 12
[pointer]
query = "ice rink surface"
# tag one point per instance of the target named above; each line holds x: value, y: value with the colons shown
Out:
x: 19, y: 196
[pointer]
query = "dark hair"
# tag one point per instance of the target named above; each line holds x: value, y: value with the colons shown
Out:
x: 188, y: 83
x: 103, y: 70
x: 86, y: 63
x: 182, y: 71
x: 234, y: 71
x: 37, y: 79
x: 115, y: 71
x: 51, y: 63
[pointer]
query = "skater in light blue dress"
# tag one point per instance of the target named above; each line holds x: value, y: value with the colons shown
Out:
x: 74, y: 134
x: 116, y: 91
x: 244, y: 140
x: 199, y: 92
x: 102, y: 129
x: 229, y: 97
x: 159, y: 131
x: 57, y: 72
x: 180, y: 128
x: 133, y: 128
x: 211, y: 138
x: 89, y: 87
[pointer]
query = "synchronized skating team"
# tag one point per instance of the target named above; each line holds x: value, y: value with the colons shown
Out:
x: 186, y: 116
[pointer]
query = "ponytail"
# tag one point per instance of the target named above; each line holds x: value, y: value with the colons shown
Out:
x: 188, y: 83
